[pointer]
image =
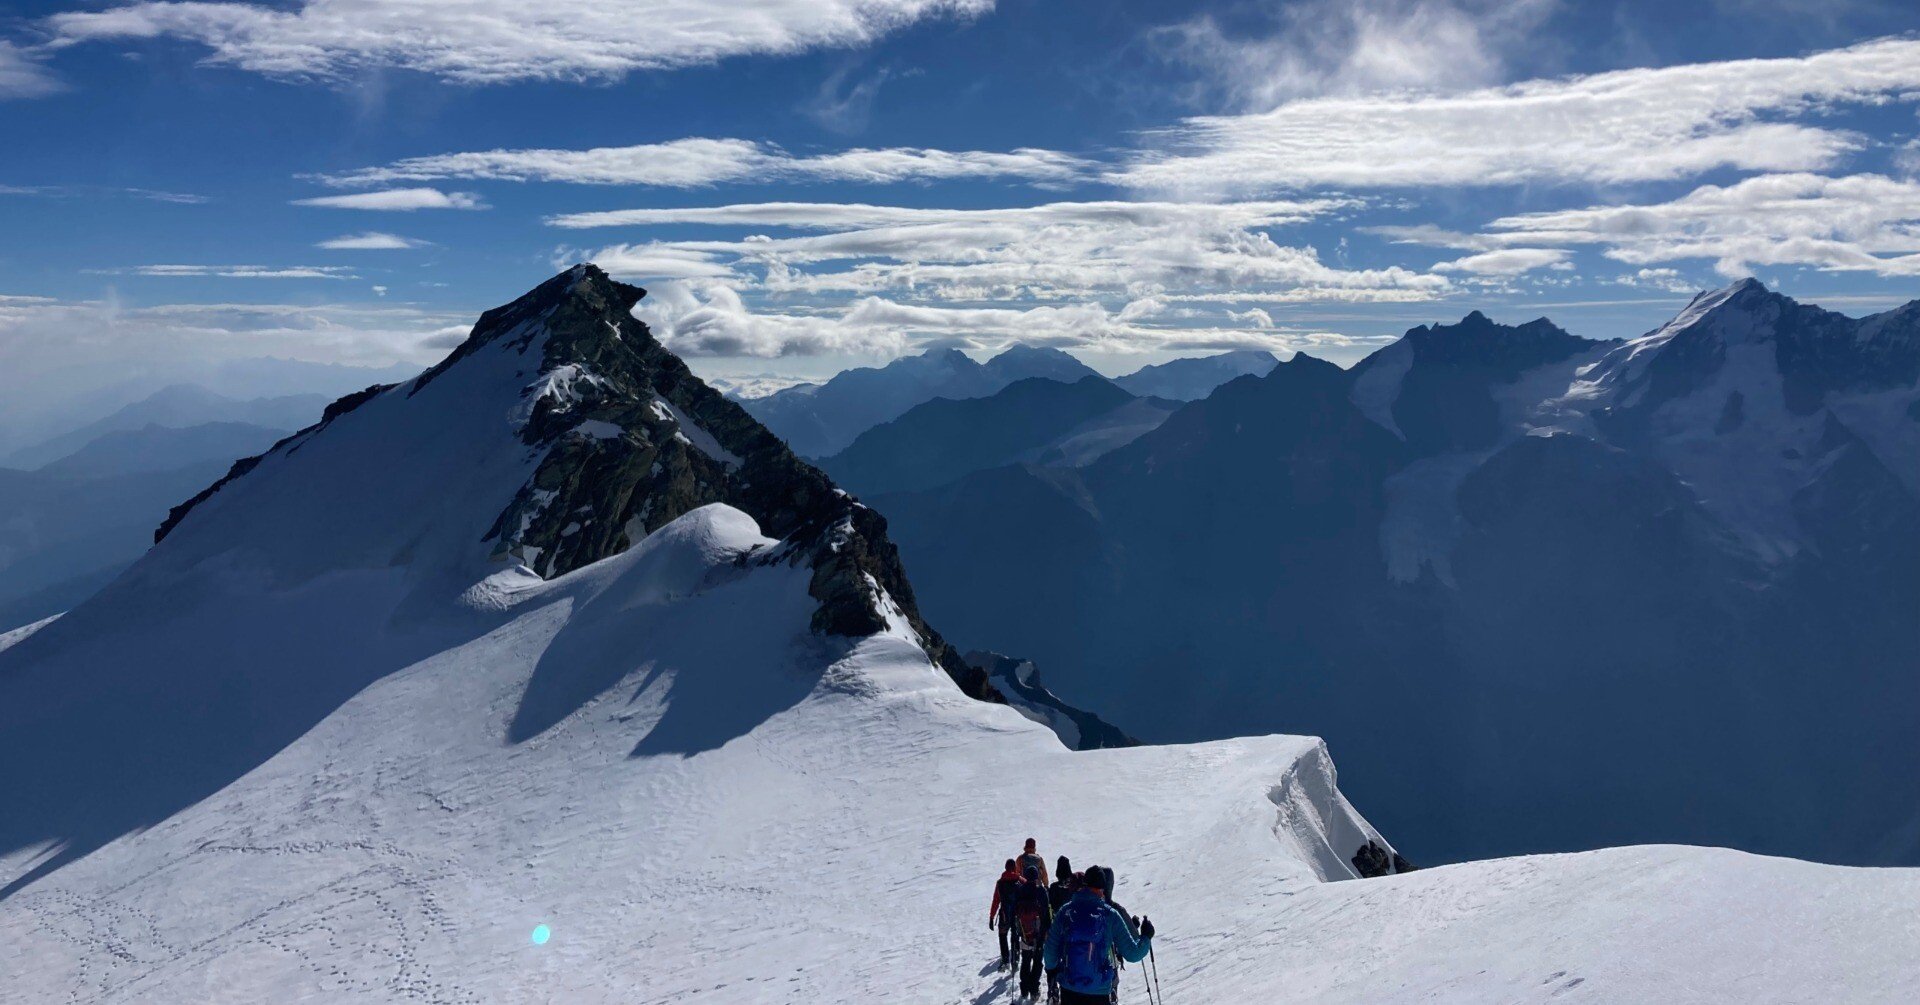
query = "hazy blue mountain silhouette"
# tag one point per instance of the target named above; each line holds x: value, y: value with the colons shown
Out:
x: 818, y: 420
x: 1537, y: 592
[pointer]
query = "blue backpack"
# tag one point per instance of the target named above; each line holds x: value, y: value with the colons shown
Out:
x: 1086, y: 953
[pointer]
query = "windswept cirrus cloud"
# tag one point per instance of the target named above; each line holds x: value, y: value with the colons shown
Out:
x: 403, y: 200
x: 708, y: 319
x: 1111, y: 276
x: 1049, y: 252
x: 1859, y: 223
x: 45, y: 334
x: 1633, y: 125
x: 697, y: 162
x: 21, y: 76
x: 1507, y: 261
x: 372, y: 240
x: 494, y: 41
x: 235, y: 271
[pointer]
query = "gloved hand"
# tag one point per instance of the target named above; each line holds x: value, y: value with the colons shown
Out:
x: 1146, y: 928
x: 990, y: 924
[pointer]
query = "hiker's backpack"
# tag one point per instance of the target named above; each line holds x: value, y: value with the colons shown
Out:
x: 1027, y: 916
x: 1086, y: 952
x: 1008, y: 890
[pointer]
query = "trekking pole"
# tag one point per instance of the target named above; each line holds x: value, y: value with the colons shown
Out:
x: 1153, y: 970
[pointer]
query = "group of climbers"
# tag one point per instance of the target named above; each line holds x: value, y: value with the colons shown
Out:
x: 1069, y: 928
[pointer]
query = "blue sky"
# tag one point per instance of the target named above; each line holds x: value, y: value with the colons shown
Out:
x: 806, y: 184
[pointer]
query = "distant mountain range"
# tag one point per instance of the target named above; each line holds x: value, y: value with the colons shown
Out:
x: 160, y: 448
x: 1514, y: 576
x: 175, y: 407
x: 1028, y: 420
x: 70, y: 525
x: 819, y: 420
x: 1196, y: 376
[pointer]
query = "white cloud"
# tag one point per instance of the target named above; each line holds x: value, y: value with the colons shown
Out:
x: 1505, y: 262
x: 1621, y: 126
x: 372, y: 240
x: 21, y: 76
x: 1659, y: 279
x: 845, y: 107
x: 655, y: 260
x: 99, y: 191
x: 1906, y: 158
x: 1320, y: 47
x: 712, y: 320
x: 876, y: 280
x: 854, y: 215
x: 62, y: 340
x: 492, y: 41
x: 1858, y: 223
x: 243, y: 271
x: 697, y: 161
x: 1068, y: 250
x: 397, y: 199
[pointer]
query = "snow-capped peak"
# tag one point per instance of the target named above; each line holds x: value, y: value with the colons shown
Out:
x: 558, y: 434
x: 1737, y: 313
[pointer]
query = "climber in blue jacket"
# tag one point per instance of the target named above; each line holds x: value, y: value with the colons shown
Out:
x: 1086, y: 936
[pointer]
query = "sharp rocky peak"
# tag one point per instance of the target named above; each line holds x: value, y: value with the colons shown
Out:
x: 1479, y: 341
x: 625, y: 439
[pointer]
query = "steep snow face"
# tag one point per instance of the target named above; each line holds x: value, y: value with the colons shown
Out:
x: 657, y: 760
x: 1737, y: 394
x: 369, y: 489
x: 1733, y: 395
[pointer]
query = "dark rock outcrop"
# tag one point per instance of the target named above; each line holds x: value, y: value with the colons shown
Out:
x: 1374, y: 860
x: 634, y: 440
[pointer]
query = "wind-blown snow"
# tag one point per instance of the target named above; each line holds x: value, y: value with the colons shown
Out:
x: 9, y: 639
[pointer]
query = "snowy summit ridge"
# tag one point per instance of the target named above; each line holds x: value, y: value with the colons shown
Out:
x: 627, y: 440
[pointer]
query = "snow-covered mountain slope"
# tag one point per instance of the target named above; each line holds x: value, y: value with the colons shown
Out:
x: 746, y: 812
x: 335, y: 736
x: 557, y: 435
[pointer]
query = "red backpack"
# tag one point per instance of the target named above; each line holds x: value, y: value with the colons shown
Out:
x: 1027, y: 914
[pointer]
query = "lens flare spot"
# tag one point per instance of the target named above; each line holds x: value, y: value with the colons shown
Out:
x: 541, y: 934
